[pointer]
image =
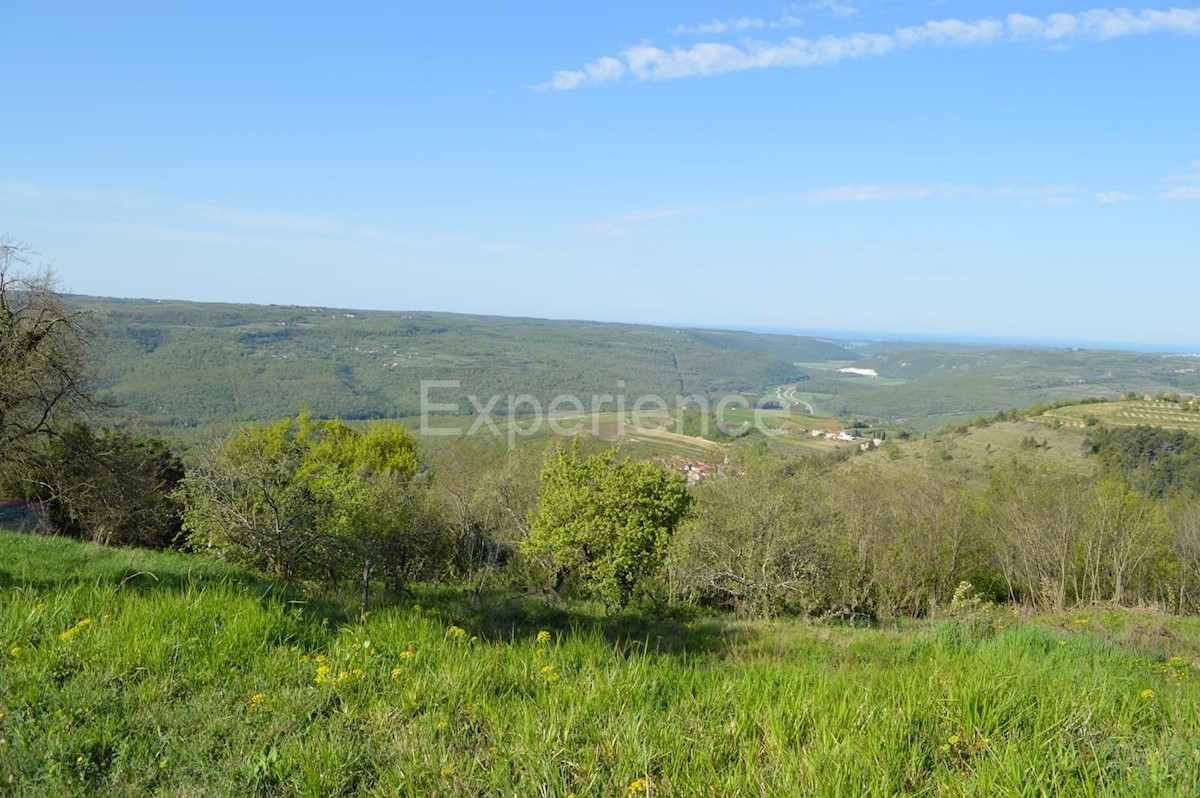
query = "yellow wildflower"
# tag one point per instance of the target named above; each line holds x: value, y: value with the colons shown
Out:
x: 1147, y: 693
x: 637, y: 786
x: 408, y: 653
x: 162, y: 763
x: 549, y: 674
x: 543, y: 637
x: 74, y: 630
x: 457, y: 632
x: 2, y: 715
x: 15, y: 651
x: 322, y: 674
x: 257, y: 699
x: 396, y: 672
x: 440, y: 725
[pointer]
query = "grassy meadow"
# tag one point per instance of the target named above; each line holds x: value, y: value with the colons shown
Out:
x: 125, y: 672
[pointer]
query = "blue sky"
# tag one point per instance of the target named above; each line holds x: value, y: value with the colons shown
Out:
x: 1014, y: 169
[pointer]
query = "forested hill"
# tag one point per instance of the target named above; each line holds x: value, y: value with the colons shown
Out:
x: 175, y: 365
x: 182, y: 363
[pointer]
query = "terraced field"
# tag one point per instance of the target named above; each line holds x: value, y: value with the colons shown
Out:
x: 1156, y: 413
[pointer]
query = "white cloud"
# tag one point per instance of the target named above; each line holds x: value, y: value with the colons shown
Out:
x: 841, y: 9
x: 1182, y: 193
x: 718, y: 26
x: 647, y: 62
x: 1192, y: 175
x: 1114, y: 197
x: 1182, y: 185
x: 602, y: 70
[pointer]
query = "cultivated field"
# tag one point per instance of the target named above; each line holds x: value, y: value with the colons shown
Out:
x: 1157, y: 413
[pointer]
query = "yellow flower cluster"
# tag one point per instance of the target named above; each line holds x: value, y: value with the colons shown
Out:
x: 74, y: 630
x: 257, y: 699
x: 549, y: 674
x: 15, y: 651
x: 543, y: 637
x: 407, y: 653
x: 1147, y: 693
x: 325, y: 675
x: 397, y: 672
x: 637, y: 786
x: 457, y: 632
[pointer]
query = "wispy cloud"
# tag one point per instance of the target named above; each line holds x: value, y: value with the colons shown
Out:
x: 1182, y: 185
x: 18, y: 191
x: 647, y: 62
x: 719, y: 26
x: 268, y: 220
x: 1114, y: 197
x: 833, y: 6
x: 854, y: 193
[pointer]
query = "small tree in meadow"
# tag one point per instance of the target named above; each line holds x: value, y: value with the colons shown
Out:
x: 605, y: 523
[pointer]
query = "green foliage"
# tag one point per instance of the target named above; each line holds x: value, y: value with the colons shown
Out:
x: 762, y: 542
x: 605, y: 522
x: 307, y: 498
x: 1158, y: 462
x: 110, y: 486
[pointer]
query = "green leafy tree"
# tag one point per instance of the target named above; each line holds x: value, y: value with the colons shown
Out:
x: 307, y: 498
x: 110, y: 486
x: 365, y: 511
x: 605, y: 523
x: 244, y: 503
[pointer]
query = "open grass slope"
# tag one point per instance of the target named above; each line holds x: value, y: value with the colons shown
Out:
x: 973, y: 451
x: 129, y: 673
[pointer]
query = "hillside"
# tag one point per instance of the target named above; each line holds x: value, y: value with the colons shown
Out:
x: 972, y: 452
x: 179, y: 366
x: 135, y: 673
x: 178, y: 363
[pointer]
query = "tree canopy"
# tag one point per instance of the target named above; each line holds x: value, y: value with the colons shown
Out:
x: 605, y: 522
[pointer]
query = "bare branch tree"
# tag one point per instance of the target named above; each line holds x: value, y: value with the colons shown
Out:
x: 45, y: 368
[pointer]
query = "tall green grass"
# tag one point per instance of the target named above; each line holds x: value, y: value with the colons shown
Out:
x: 200, y: 680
